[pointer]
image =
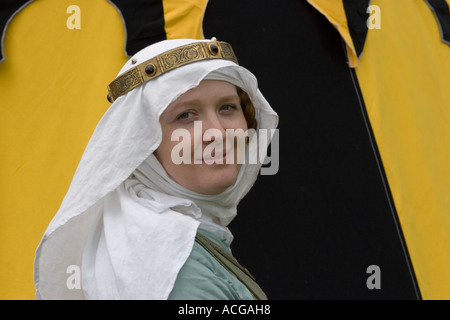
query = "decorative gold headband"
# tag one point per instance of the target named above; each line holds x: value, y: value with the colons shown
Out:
x: 167, y: 61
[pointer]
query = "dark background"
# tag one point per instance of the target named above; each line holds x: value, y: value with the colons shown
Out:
x: 312, y: 230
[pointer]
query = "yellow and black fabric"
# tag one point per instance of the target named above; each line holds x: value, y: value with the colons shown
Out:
x: 364, y: 135
x: 410, y: 122
x: 441, y: 11
x: 405, y: 92
x: 350, y: 19
x: 144, y: 22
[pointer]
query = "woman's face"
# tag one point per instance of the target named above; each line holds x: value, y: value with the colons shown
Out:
x: 216, y: 105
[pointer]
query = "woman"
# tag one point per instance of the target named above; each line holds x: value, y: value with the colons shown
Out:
x: 134, y: 224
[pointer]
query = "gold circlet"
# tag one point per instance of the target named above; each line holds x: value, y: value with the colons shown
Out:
x: 168, y: 61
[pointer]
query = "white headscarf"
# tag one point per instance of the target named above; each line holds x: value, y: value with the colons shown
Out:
x: 124, y: 222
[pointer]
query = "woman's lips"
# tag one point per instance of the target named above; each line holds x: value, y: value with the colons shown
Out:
x: 215, y: 159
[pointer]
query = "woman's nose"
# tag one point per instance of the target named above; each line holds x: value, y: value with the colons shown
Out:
x: 213, y: 128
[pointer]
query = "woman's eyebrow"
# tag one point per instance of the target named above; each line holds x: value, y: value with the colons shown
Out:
x: 229, y: 97
x: 196, y: 101
x: 185, y: 102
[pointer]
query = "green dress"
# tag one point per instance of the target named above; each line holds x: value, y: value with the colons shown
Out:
x: 202, y: 277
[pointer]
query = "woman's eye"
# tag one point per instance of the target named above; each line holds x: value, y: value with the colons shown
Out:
x: 184, y: 115
x: 227, y: 107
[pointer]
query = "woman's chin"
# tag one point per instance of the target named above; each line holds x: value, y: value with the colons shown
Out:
x: 216, y: 179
